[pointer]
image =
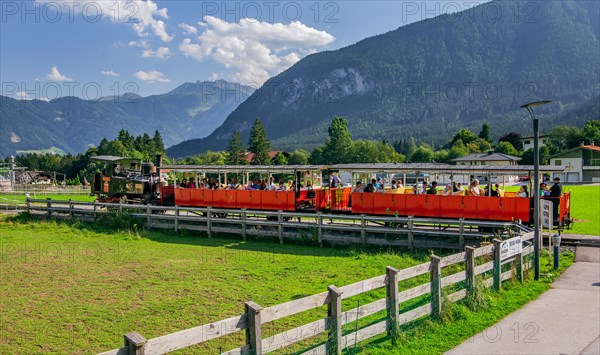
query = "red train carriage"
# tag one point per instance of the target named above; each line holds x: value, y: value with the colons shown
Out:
x: 342, y: 200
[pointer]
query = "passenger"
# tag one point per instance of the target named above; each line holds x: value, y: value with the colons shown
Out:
x: 544, y: 190
x: 378, y: 185
x: 433, y: 189
x: 455, y: 189
x: 556, y: 193
x: 473, y: 189
x: 291, y: 185
x: 334, y: 181
x: 400, y: 184
x: 370, y: 188
x: 459, y: 186
x: 423, y: 188
x: 523, y: 191
x: 358, y: 187
x: 447, y: 190
x: 271, y: 185
x: 191, y: 184
x: 183, y: 184
x: 281, y: 186
x: 394, y: 185
x: 497, y: 192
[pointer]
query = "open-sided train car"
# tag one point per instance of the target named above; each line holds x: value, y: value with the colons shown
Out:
x: 343, y: 200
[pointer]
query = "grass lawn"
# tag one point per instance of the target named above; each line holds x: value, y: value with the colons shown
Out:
x: 10, y: 198
x: 585, y: 209
x: 74, y: 287
x: 70, y: 288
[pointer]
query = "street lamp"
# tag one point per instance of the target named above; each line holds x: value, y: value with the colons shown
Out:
x: 536, y: 184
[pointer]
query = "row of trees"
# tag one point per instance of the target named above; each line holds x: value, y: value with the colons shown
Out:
x: 339, y: 148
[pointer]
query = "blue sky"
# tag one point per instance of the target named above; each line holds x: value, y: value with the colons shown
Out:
x: 85, y: 48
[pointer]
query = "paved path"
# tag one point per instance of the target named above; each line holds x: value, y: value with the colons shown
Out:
x: 563, y: 320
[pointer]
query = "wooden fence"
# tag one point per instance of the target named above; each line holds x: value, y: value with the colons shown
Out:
x: 318, y: 227
x: 254, y: 317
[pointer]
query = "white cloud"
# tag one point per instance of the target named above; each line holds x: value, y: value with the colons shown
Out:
x: 188, y: 29
x: 152, y: 76
x: 253, y: 50
x: 109, y: 73
x: 141, y: 43
x: 22, y: 95
x: 161, y: 52
x: 55, y: 75
x: 143, y: 15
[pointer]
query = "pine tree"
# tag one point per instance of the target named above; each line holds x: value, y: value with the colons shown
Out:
x: 339, y: 147
x: 485, y: 133
x: 259, y: 145
x: 158, y: 143
x: 236, y: 152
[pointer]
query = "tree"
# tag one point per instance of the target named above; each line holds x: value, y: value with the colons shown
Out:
x: 527, y: 157
x: 423, y: 154
x: 464, y: 135
x: 513, y: 138
x: 158, y: 143
x: 236, y: 152
x: 479, y: 146
x: 506, y: 148
x: 591, y: 132
x: 368, y: 151
x: 563, y: 138
x: 259, y: 145
x: 279, y: 159
x: 412, y: 146
x: 298, y: 157
x: 458, y: 150
x: 485, y: 133
x: 338, y: 148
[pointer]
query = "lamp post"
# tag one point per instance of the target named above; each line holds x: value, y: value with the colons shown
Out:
x: 536, y: 184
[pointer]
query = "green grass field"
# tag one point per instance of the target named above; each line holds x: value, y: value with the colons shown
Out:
x: 74, y: 287
x: 10, y: 198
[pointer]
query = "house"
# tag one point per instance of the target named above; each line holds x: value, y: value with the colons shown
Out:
x: 272, y: 155
x: 582, y: 164
x: 489, y: 158
x: 527, y: 142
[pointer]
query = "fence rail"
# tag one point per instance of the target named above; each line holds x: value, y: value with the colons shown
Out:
x: 255, y: 316
x: 318, y: 227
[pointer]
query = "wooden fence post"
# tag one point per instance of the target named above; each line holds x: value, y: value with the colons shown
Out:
x: 320, y: 228
x: 470, y: 269
x: 121, y: 206
x: 254, y: 331
x: 334, y: 312
x: 244, y: 224
x: 176, y: 223
x: 209, y: 222
x: 149, y: 217
x: 135, y: 343
x: 436, y: 286
x: 280, y: 226
x: 497, y: 266
x: 392, y: 298
x: 410, y: 233
x: 363, y: 233
x: 95, y: 210
x: 461, y: 237
x: 28, y: 201
x: 71, y: 207
x: 49, y: 207
x: 519, y: 266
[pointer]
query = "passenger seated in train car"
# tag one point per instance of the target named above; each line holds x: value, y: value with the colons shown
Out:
x: 498, y: 191
x: 394, y: 185
x: 358, y: 187
x: 400, y: 184
x: 281, y: 186
x: 447, y: 190
x: 291, y: 186
x: 455, y: 189
x: 422, y: 188
x: 191, y: 184
x: 370, y: 188
x: 544, y: 190
x: 473, y: 189
x: 523, y: 191
x: 183, y: 184
x: 271, y: 184
x: 433, y: 189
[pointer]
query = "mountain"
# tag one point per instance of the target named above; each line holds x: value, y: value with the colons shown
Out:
x: 431, y: 78
x: 71, y: 124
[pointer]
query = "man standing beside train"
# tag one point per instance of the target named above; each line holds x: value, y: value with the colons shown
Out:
x: 555, y: 194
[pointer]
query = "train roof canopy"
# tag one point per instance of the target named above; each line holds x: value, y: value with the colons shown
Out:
x: 443, y: 168
x: 243, y: 168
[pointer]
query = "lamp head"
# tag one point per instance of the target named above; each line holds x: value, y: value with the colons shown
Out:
x: 536, y: 103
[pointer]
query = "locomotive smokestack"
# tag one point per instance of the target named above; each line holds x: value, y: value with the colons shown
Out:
x: 158, y: 165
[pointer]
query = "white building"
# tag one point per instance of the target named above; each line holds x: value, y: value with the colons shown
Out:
x: 528, y: 141
x: 582, y: 164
